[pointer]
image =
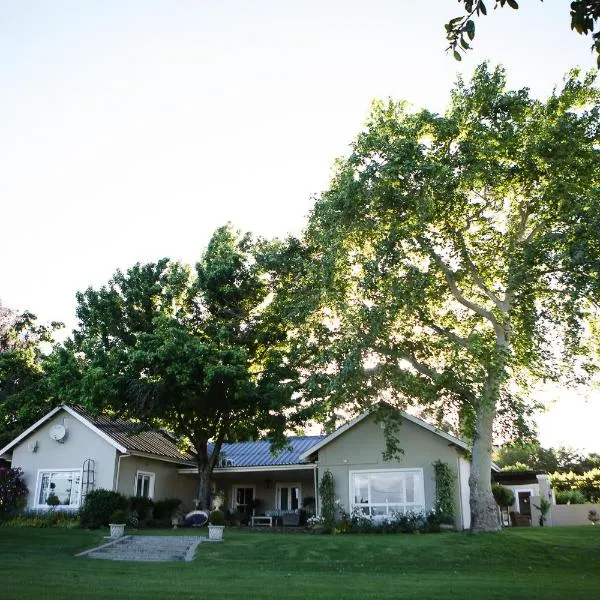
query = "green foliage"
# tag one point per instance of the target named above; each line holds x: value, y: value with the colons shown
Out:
x: 588, y: 483
x: 327, y: 497
x: 200, y: 352
x: 518, y: 467
x: 13, y: 491
x: 164, y: 510
x: 409, y: 522
x: 216, y: 517
x: 544, y: 507
x: 117, y: 517
x: 25, y: 390
x: 98, y: 507
x: 391, y: 419
x: 533, y: 457
x: 446, y: 250
x: 584, y: 17
x: 444, y: 488
x: 141, y: 508
x: 44, y: 519
x: 503, y: 496
x: 569, y: 497
x: 52, y: 500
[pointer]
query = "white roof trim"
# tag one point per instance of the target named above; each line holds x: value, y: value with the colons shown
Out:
x: 255, y: 469
x: 75, y: 415
x: 356, y: 420
x: 28, y: 431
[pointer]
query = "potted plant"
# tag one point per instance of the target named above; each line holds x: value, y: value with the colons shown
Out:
x: 216, y: 524
x: 117, y: 523
x: 52, y: 500
x: 593, y: 516
x: 543, y: 507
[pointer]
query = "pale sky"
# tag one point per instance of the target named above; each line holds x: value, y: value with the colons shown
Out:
x: 130, y: 130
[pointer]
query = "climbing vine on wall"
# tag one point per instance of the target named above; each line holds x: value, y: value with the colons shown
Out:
x: 327, y: 501
x: 444, y: 488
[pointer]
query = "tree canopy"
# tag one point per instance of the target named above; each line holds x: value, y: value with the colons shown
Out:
x: 534, y: 457
x: 24, y: 391
x: 454, y: 258
x: 460, y: 30
x: 198, y: 352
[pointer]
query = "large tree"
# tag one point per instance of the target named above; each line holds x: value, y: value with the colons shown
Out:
x: 455, y: 257
x: 198, y: 352
x: 460, y: 30
x: 25, y: 361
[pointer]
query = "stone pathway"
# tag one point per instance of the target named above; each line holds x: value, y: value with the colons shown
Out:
x: 147, y: 548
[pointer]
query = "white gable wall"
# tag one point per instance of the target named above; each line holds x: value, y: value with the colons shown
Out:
x: 80, y: 443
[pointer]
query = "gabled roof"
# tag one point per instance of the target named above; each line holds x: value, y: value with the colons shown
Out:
x: 122, y: 435
x: 340, y: 430
x: 255, y: 454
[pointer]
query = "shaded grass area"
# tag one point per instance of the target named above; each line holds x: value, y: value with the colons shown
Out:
x: 520, y: 563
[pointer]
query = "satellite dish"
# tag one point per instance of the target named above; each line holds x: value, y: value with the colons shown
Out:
x: 58, y: 433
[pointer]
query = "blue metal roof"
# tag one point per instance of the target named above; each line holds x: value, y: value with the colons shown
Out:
x: 255, y: 454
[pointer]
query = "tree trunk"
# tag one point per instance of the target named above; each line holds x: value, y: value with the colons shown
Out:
x: 484, y: 510
x: 204, y: 481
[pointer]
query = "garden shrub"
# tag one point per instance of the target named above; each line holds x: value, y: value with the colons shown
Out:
x: 164, y: 510
x: 141, y: 509
x: 99, y: 506
x: 327, y: 501
x: 444, y: 490
x: 409, y: 522
x: 588, y: 483
x: 570, y: 497
x: 13, y: 491
x: 503, y: 496
x: 45, y: 519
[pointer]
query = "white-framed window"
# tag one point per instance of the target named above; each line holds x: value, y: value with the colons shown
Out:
x: 288, y: 496
x: 144, y: 484
x: 242, y: 498
x: 65, y: 484
x: 382, y: 493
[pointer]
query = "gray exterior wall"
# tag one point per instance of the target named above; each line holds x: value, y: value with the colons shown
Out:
x: 80, y: 443
x: 166, y: 478
x: 362, y: 447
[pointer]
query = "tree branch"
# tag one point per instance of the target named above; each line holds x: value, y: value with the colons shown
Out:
x: 476, y: 277
x: 449, y: 275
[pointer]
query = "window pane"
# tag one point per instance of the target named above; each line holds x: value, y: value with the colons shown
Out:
x: 283, y: 498
x: 295, y: 497
x: 65, y: 485
x: 386, y: 487
x: 146, y: 487
x: 45, y: 483
x: 361, y: 489
x: 410, y: 487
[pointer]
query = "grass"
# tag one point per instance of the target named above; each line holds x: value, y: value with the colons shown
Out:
x: 520, y: 563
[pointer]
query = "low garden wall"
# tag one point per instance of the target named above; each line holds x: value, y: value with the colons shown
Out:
x: 564, y: 514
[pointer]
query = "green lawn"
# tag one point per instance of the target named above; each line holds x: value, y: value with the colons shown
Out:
x: 522, y: 563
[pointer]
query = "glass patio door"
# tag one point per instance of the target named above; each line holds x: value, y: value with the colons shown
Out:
x: 288, y: 496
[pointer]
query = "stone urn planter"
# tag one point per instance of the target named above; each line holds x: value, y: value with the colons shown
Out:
x: 117, y: 524
x: 216, y: 524
x: 215, y: 533
x: 116, y: 530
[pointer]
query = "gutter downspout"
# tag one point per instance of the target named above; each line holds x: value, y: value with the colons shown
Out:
x: 460, y: 495
x: 116, y: 481
x: 316, y: 481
